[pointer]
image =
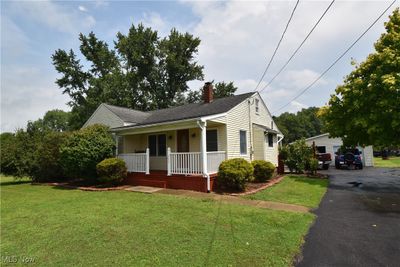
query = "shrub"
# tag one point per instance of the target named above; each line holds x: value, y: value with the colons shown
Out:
x: 299, y: 155
x: 7, y: 158
x: 263, y: 170
x: 234, y: 173
x: 83, y: 149
x: 111, y: 171
x: 313, y: 165
x: 47, y: 165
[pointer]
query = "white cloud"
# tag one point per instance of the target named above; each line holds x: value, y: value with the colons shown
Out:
x: 54, y: 16
x: 82, y: 8
x: 22, y: 101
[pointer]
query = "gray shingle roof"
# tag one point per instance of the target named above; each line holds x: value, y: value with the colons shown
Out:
x: 128, y: 115
x: 189, y: 111
x: 265, y: 128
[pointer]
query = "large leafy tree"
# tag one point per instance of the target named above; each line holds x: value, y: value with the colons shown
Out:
x: 54, y: 120
x: 302, y: 124
x: 221, y: 89
x: 366, y: 108
x: 142, y: 72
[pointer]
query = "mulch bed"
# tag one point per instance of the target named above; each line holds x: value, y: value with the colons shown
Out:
x: 252, y: 188
x: 85, y: 188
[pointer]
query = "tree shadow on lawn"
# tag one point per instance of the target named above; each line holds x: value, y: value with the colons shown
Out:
x: 16, y: 182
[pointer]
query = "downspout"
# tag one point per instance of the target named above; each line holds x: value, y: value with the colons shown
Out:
x: 250, y: 131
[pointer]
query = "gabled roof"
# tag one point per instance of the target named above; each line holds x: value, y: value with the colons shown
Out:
x: 128, y: 115
x: 188, y: 111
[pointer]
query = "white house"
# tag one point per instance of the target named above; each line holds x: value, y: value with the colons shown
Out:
x: 325, y: 144
x: 191, y: 140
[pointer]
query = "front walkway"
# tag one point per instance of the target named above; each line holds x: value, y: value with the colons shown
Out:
x: 236, y: 200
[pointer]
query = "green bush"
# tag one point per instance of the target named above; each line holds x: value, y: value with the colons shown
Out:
x: 234, y: 173
x: 313, y: 165
x: 298, y: 156
x: 263, y: 170
x: 47, y: 165
x: 83, y: 149
x: 7, y: 154
x: 111, y: 171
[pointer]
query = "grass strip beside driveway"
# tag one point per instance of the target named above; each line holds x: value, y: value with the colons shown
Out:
x: 294, y: 189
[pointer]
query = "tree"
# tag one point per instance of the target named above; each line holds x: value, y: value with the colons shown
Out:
x: 142, y: 72
x: 54, y: 120
x: 221, y: 89
x: 303, y: 124
x: 366, y: 108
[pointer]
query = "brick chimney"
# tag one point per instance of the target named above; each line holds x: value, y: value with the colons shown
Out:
x: 208, y: 92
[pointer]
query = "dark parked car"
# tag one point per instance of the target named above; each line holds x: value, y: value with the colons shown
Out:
x: 324, y: 160
x: 349, y: 158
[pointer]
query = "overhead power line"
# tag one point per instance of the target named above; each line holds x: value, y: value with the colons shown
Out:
x: 279, y: 43
x: 298, y: 48
x: 340, y: 57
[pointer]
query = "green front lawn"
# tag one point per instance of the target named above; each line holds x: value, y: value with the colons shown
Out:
x: 393, y: 162
x: 294, y: 189
x: 58, y: 227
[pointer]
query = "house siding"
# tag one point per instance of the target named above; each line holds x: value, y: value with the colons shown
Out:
x: 240, y: 118
x: 104, y: 116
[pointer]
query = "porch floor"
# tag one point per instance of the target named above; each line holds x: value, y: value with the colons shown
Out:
x: 159, y: 178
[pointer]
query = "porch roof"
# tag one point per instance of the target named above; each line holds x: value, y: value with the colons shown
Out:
x: 189, y: 111
x: 265, y: 128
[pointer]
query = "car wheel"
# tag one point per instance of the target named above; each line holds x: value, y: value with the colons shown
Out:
x: 360, y: 166
x: 325, y: 166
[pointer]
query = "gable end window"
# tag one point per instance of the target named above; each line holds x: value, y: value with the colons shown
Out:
x: 257, y: 105
x: 270, y: 140
x: 157, y: 145
x: 243, y: 142
x: 212, y: 140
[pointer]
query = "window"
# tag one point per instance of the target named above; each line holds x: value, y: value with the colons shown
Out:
x: 321, y: 149
x: 270, y: 140
x: 257, y: 105
x: 212, y: 140
x: 243, y: 142
x: 158, y: 145
x: 120, y: 144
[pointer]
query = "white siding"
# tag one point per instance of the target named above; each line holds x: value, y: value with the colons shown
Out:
x: 331, y: 143
x: 104, y: 116
x: 242, y: 117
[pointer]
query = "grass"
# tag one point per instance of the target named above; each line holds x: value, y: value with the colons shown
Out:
x: 393, y: 162
x: 58, y: 227
x: 294, y: 189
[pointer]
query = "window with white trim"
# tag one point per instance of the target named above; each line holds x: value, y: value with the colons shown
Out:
x: 212, y: 140
x: 257, y: 105
x: 243, y: 142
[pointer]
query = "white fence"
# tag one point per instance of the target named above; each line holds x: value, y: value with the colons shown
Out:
x: 214, y: 159
x: 137, y: 162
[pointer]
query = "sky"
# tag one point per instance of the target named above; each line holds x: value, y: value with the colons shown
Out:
x: 237, y: 41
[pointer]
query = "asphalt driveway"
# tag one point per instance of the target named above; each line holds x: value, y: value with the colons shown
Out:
x: 358, y: 221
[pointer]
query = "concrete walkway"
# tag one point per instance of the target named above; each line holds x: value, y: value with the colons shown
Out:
x: 236, y: 200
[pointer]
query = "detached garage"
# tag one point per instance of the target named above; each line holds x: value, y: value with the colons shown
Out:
x: 325, y: 144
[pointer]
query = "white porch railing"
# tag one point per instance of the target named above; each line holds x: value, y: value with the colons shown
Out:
x: 214, y: 159
x: 184, y: 163
x: 137, y: 162
x: 191, y: 163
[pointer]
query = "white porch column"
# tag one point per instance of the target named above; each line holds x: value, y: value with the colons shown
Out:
x: 203, y: 149
x: 147, y: 161
x: 169, y: 161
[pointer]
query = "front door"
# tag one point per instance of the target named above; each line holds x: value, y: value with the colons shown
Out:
x: 182, y: 138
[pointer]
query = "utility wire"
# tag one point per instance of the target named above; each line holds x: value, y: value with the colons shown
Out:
x: 340, y: 57
x: 279, y: 43
x: 298, y: 48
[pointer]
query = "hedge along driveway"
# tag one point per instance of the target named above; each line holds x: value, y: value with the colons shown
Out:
x: 73, y: 227
x: 295, y: 189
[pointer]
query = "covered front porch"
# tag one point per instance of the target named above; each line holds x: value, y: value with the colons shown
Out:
x: 185, y: 155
